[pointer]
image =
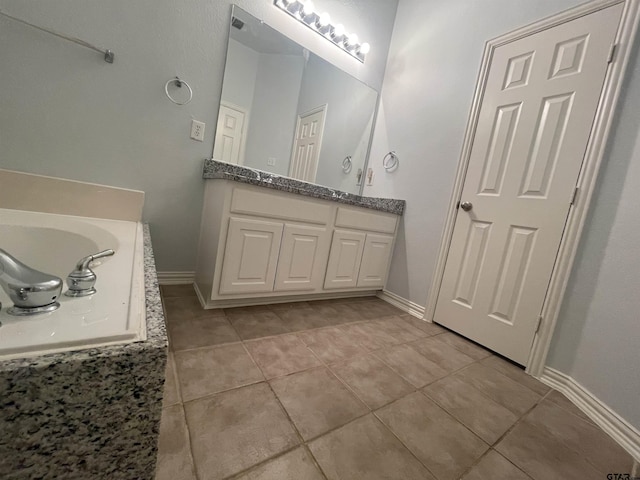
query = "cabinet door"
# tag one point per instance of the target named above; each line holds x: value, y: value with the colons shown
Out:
x: 303, y: 258
x: 344, y: 259
x: 375, y: 261
x: 251, y: 256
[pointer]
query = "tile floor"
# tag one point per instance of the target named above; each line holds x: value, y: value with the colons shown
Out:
x: 355, y: 389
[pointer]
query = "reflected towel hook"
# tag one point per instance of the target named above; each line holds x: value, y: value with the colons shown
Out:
x: 179, y: 83
x: 390, y: 161
x: 347, y: 164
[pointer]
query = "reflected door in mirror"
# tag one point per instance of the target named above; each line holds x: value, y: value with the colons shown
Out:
x: 307, y: 144
x: 230, y: 134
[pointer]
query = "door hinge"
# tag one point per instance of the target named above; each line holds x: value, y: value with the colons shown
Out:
x: 538, y: 325
x: 575, y: 195
x: 612, y: 53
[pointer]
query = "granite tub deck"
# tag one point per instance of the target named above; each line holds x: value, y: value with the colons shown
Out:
x: 88, y: 414
x: 219, y: 170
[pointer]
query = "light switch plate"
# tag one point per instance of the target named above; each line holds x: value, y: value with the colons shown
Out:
x: 197, y: 130
x: 370, y: 176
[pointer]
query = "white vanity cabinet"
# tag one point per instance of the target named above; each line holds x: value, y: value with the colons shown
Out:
x: 260, y: 245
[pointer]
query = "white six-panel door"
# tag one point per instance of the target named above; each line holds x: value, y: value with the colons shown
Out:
x: 535, y: 119
x: 307, y: 144
x: 230, y: 134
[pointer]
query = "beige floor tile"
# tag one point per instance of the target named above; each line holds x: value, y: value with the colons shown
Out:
x: 580, y: 436
x: 171, y: 396
x: 449, y: 358
x: 429, y: 328
x: 316, y: 401
x: 174, y: 452
x: 544, y: 457
x: 494, y: 466
x: 235, y: 430
x: 331, y: 344
x: 298, y: 319
x: 287, y: 306
x: 181, y: 308
x: 479, y: 413
x: 336, y: 313
x: 465, y: 346
x: 501, y: 389
x: 177, y: 291
x: 516, y: 373
x: 368, y: 335
x: 210, y: 370
x: 559, y: 399
x: 402, y: 331
x: 373, y: 308
x: 281, y: 355
x: 248, y: 309
x: 366, y: 450
x: 441, y: 443
x: 371, y: 380
x: 294, y: 465
x: 195, y: 332
x: 409, y: 364
x: 258, y: 324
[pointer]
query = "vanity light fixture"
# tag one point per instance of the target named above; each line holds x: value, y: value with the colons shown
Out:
x: 304, y: 12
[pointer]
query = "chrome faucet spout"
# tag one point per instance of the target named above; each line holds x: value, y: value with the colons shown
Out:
x: 30, y: 290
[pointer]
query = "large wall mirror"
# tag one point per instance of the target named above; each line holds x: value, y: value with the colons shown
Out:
x: 287, y: 111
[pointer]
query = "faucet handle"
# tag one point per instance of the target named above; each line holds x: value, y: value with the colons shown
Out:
x: 83, y: 263
x: 82, y: 280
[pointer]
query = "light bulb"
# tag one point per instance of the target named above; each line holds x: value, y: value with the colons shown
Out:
x: 307, y: 8
x: 351, y: 40
x: 338, y: 30
x: 364, y: 48
x: 323, y: 20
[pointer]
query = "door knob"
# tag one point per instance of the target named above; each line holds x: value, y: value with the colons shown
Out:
x: 466, y: 206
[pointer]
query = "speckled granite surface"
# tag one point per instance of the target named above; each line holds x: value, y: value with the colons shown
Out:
x: 89, y: 414
x: 226, y: 171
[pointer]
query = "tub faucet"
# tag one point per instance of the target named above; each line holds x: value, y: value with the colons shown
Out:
x: 82, y: 280
x: 30, y: 290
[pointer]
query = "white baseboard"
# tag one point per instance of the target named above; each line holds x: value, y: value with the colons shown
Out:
x: 402, y: 303
x: 619, y: 429
x: 176, y: 278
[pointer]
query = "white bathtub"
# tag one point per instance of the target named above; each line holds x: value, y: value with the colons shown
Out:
x: 54, y: 244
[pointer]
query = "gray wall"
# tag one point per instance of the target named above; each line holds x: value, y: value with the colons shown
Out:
x: 65, y: 112
x: 431, y: 74
x: 240, y: 73
x: 349, y: 110
x: 272, y: 119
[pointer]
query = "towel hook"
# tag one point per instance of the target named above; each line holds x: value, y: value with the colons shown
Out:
x: 179, y: 83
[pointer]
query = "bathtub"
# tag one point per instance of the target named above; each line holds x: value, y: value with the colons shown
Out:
x: 54, y: 244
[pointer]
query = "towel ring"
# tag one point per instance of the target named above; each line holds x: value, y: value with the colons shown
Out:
x: 390, y: 161
x: 179, y: 84
x: 347, y: 164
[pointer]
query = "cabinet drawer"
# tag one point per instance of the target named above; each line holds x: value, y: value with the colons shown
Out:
x: 272, y: 205
x: 363, y: 220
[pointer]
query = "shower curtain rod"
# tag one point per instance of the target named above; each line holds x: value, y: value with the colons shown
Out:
x: 108, y: 54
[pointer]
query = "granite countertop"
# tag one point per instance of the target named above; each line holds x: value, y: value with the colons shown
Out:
x: 214, y: 169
